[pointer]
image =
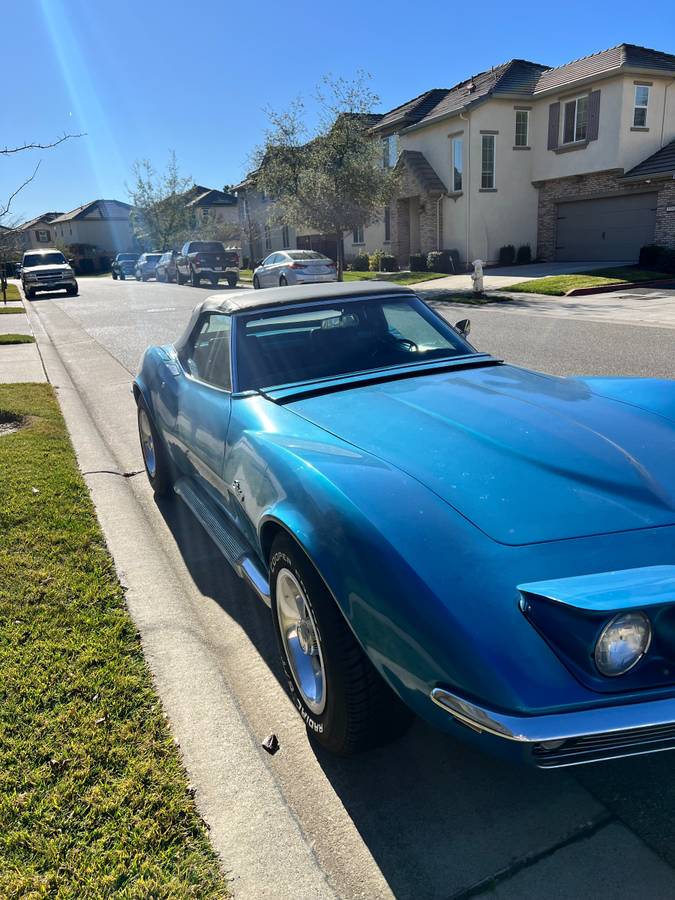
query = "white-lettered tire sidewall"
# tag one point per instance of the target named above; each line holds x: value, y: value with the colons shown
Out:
x: 323, y: 726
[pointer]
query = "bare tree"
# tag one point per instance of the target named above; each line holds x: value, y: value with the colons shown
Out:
x: 161, y: 219
x: 333, y: 181
x: 9, y: 235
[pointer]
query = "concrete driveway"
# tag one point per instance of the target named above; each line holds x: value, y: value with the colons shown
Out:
x: 501, y: 277
x: 423, y: 818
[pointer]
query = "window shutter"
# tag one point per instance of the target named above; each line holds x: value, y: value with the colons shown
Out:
x: 593, y: 115
x: 553, y: 125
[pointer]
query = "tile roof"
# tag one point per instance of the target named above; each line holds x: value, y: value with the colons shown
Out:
x: 45, y: 217
x: 81, y: 211
x: 212, y: 197
x: 660, y: 163
x: 517, y: 76
x: 604, y: 62
x: 423, y: 171
x: 412, y: 111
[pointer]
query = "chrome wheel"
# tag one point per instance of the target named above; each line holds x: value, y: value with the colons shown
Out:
x: 301, y: 641
x: 147, y: 442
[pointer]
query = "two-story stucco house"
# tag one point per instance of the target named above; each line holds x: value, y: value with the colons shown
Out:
x: 213, y: 207
x: 38, y: 232
x: 100, y: 224
x: 577, y: 161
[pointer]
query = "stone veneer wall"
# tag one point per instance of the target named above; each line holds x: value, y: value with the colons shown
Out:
x: 400, y: 219
x: 593, y: 186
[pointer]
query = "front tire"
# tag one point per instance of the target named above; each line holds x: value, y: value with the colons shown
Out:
x: 157, y: 466
x: 345, y: 704
x: 195, y: 280
x: 231, y: 282
x: 256, y: 283
x: 114, y: 276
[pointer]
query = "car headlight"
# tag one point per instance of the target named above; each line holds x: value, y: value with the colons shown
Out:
x: 30, y: 276
x: 622, y: 643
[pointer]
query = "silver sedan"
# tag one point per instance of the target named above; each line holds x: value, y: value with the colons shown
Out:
x: 294, y: 267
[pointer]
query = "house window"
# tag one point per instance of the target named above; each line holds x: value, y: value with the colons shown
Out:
x: 268, y: 238
x: 641, y: 104
x: 390, y: 151
x: 522, y: 127
x: 43, y: 236
x: 457, y: 165
x: 387, y: 223
x: 285, y: 237
x: 358, y: 235
x: 487, y: 162
x: 575, y: 120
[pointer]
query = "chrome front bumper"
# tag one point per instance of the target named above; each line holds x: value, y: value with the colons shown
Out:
x: 573, y: 738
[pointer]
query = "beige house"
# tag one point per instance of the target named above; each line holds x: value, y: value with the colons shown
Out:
x: 38, y: 232
x: 100, y: 224
x: 213, y: 207
x: 577, y: 161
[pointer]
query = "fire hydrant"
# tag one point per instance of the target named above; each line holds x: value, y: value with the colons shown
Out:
x: 477, y: 277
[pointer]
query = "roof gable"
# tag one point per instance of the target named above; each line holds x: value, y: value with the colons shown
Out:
x: 604, y: 63
x: 96, y: 209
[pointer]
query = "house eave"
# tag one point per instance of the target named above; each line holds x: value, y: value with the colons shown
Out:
x: 567, y: 86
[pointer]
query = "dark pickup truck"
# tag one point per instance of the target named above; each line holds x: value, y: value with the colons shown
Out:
x: 207, y: 259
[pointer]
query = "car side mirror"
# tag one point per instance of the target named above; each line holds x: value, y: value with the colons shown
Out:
x: 464, y: 327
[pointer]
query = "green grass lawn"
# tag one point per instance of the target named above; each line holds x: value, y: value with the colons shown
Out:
x: 16, y: 339
x: 11, y: 310
x: 558, y: 285
x: 12, y: 293
x: 93, y: 797
x: 397, y: 277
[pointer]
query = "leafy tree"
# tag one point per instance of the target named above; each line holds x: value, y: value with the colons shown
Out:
x: 330, y: 181
x: 161, y: 219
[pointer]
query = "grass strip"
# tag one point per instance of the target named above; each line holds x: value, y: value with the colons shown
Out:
x: 17, y: 339
x: 93, y: 797
x: 12, y: 293
x: 12, y: 310
x: 558, y: 285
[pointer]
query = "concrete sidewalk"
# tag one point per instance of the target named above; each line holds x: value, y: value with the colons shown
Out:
x: 19, y: 362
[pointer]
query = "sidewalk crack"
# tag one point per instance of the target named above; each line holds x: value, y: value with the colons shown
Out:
x: 581, y: 833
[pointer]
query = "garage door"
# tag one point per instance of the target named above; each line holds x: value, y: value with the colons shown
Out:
x: 611, y: 228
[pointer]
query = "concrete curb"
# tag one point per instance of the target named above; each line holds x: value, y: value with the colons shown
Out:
x: 624, y: 286
x: 252, y: 828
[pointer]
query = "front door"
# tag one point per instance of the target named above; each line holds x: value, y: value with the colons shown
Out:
x: 204, y: 404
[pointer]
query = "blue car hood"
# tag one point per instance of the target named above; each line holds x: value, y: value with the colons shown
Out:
x: 524, y: 456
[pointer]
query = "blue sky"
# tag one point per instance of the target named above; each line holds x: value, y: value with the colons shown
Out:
x: 144, y: 77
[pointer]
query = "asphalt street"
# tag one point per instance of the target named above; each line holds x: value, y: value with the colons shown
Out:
x: 425, y: 817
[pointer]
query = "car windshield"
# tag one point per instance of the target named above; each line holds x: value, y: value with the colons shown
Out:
x: 127, y: 257
x: 308, y: 254
x: 44, y: 259
x: 206, y: 247
x: 153, y: 257
x: 324, y: 341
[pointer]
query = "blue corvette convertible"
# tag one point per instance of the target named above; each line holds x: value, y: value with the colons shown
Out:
x: 435, y: 531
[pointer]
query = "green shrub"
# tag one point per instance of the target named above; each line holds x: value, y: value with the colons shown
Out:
x: 374, y: 261
x: 418, y: 262
x: 388, y: 263
x: 446, y: 261
x: 660, y: 259
x: 360, y: 263
x: 524, y: 255
x: 507, y: 255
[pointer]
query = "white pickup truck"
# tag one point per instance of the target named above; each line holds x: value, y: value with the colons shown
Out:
x: 46, y: 270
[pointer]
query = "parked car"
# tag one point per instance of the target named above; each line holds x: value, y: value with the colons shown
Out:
x: 124, y: 265
x: 207, y: 259
x: 146, y: 266
x: 47, y: 270
x: 166, y: 267
x: 434, y: 530
x: 294, y: 267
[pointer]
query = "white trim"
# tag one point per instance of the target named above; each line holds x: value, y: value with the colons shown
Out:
x: 526, y: 113
x: 639, y: 106
x: 565, y: 104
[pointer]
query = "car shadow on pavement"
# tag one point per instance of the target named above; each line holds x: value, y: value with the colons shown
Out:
x: 437, y: 815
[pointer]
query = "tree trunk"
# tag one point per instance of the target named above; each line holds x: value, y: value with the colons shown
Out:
x: 340, y: 255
